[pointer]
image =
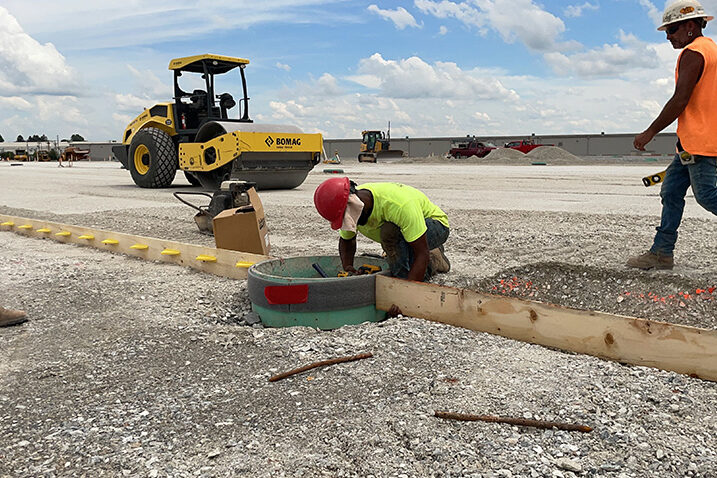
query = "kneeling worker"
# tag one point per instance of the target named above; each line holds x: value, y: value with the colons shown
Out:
x: 410, y: 228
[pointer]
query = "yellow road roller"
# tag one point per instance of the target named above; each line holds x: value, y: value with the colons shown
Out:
x: 195, y: 134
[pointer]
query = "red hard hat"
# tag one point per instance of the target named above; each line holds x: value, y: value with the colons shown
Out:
x: 330, y: 199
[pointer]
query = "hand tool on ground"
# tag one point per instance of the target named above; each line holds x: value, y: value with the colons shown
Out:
x: 364, y: 269
x: 369, y: 269
x: 320, y: 270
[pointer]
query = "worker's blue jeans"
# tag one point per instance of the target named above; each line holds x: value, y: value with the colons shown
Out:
x: 399, y: 253
x: 702, y: 176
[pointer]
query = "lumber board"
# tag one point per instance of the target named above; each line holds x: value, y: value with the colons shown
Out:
x: 631, y: 340
x: 222, y: 262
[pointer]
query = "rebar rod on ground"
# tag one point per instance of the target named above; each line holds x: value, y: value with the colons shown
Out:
x: 320, y: 364
x: 571, y: 427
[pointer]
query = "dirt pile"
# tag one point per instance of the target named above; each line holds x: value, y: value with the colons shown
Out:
x: 551, y: 153
x: 504, y: 153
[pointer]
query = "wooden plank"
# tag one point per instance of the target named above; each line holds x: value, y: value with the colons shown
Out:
x: 221, y: 262
x: 682, y: 349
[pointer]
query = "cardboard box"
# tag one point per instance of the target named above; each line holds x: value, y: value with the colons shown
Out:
x: 243, y: 228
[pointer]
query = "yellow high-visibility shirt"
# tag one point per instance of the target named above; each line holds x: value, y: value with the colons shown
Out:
x: 405, y: 206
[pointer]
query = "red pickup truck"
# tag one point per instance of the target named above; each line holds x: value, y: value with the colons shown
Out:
x: 471, y: 148
x: 524, y: 146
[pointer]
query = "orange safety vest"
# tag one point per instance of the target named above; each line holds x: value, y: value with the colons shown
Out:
x: 697, y: 125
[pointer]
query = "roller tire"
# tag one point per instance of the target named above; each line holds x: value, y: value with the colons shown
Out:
x: 156, y: 163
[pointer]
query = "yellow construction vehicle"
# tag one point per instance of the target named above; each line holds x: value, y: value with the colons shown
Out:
x: 376, y: 145
x: 195, y: 134
x: 20, y: 155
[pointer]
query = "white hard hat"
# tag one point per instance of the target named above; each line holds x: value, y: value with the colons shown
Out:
x: 682, y: 10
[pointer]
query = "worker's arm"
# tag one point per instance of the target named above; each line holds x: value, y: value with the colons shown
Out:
x: 347, y: 252
x: 689, y: 72
x: 420, y: 258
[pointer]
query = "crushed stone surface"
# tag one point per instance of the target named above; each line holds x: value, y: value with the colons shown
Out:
x: 135, y: 368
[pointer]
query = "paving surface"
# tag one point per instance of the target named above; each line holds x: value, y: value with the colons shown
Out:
x: 131, y: 368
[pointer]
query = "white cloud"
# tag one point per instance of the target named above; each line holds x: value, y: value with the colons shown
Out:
x: 15, y: 102
x: 150, y: 85
x: 547, y: 105
x: 283, y: 66
x: 577, y: 10
x: 414, y: 78
x: 652, y: 11
x: 541, y: 33
x: 121, y: 120
x: 26, y: 66
x: 61, y: 108
x: 91, y: 25
x: 286, y: 111
x: 132, y: 103
x: 327, y: 86
x: 608, y: 60
x: 462, y: 11
x: 400, y: 17
x: 369, y: 81
x: 442, y: 30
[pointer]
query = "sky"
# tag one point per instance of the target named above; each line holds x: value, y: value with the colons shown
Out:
x: 337, y: 67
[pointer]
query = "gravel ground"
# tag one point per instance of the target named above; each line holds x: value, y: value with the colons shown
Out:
x: 133, y: 368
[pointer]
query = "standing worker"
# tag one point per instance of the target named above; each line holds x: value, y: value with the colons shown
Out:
x: 410, y: 228
x: 694, y: 105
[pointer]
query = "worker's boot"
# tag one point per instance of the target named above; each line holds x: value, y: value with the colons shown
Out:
x: 438, y: 263
x: 650, y: 260
x: 12, y: 317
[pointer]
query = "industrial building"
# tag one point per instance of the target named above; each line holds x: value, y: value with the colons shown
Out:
x: 577, y: 144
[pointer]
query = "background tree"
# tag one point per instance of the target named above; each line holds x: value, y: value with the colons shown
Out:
x: 53, y: 154
x: 2, y: 140
x: 20, y: 139
x: 76, y: 137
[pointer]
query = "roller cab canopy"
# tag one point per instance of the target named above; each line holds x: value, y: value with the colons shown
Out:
x: 215, y: 64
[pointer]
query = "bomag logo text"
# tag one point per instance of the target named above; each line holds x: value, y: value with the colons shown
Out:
x: 288, y: 141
